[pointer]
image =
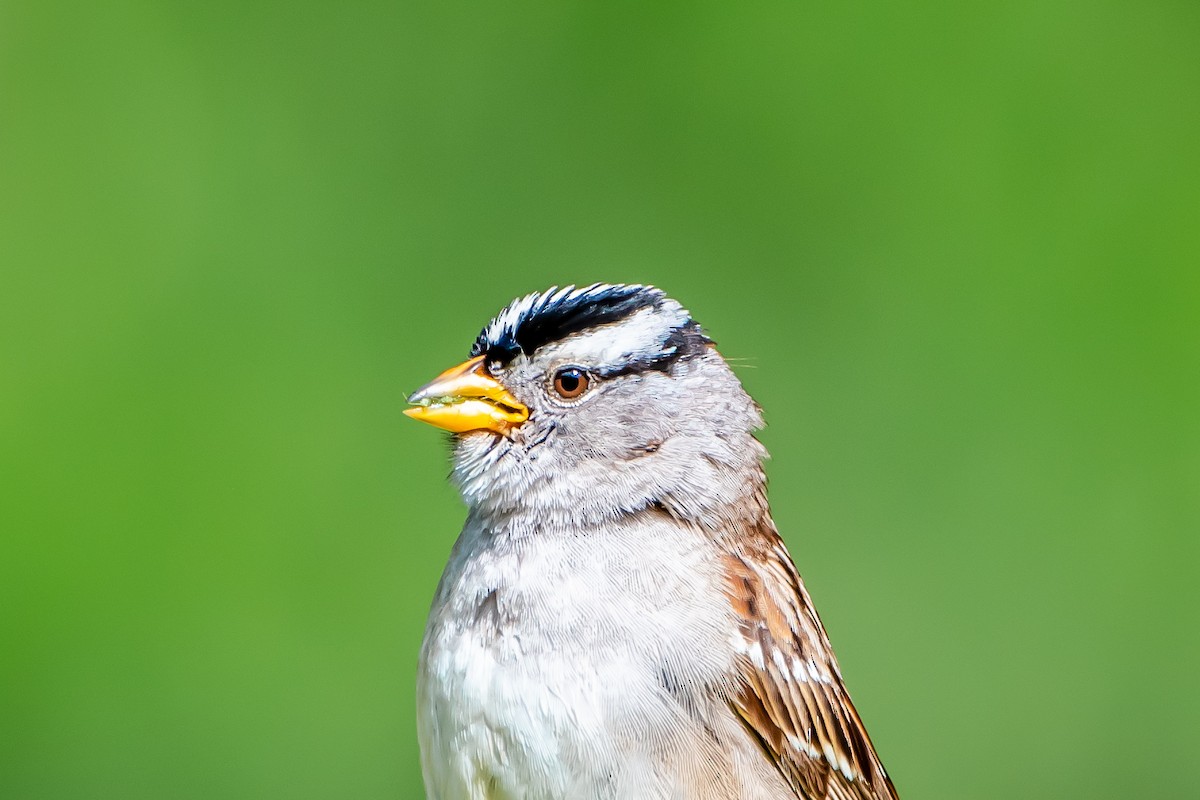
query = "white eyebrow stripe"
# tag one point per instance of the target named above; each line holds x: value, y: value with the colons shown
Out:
x: 638, y: 337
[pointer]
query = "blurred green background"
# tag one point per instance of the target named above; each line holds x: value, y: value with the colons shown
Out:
x: 955, y: 245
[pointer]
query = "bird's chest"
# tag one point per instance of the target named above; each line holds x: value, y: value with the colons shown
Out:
x: 542, y: 672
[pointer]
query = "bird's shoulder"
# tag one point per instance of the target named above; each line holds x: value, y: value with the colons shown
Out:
x: 788, y: 688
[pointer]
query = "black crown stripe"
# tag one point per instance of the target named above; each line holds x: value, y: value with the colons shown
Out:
x: 554, y: 316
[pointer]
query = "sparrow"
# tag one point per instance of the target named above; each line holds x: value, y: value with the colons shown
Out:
x: 619, y: 618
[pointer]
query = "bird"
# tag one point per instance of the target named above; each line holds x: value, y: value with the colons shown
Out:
x: 619, y: 617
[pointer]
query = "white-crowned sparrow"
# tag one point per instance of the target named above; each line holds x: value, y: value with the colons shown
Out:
x: 619, y: 618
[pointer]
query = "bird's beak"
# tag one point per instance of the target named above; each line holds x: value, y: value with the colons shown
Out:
x: 465, y: 398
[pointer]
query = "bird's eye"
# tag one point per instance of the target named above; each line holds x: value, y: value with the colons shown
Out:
x: 571, y: 382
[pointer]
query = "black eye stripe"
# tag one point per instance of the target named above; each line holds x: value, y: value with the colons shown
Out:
x: 685, y: 341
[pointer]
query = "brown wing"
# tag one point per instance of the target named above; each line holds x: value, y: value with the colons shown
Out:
x: 792, y: 699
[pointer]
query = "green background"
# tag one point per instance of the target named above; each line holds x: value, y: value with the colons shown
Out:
x: 953, y: 247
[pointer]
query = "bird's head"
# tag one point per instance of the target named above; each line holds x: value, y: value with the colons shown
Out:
x: 581, y: 404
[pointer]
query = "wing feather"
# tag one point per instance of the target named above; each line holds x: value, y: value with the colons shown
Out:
x: 791, y: 697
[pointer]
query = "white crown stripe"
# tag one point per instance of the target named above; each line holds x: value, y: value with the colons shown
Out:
x: 507, y: 326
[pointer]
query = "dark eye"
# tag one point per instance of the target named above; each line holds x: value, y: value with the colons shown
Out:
x: 570, y: 382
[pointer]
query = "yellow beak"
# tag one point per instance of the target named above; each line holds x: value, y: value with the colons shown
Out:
x: 465, y: 398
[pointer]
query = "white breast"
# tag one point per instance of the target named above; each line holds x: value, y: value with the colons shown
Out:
x: 554, y: 666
